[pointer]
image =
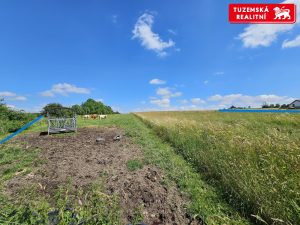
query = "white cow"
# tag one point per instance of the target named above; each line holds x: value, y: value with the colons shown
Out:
x: 102, y: 117
x: 281, y: 12
x: 86, y: 116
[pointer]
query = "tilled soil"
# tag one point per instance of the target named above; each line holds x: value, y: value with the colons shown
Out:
x: 82, y: 159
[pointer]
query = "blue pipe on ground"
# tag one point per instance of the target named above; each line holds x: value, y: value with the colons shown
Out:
x: 21, y: 129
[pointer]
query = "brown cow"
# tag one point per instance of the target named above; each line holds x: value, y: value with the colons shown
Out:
x: 94, y: 116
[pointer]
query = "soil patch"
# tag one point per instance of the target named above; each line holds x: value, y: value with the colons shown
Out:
x: 83, y: 158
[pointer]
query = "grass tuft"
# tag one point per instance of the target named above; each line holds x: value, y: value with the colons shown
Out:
x: 134, y: 164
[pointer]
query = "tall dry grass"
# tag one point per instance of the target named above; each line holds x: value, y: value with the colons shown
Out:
x: 254, y: 159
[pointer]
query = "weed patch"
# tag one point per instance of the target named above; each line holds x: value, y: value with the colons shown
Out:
x: 134, y: 164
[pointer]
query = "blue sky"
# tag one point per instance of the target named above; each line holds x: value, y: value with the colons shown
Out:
x: 143, y: 55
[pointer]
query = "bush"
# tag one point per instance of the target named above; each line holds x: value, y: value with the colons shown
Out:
x: 12, y: 120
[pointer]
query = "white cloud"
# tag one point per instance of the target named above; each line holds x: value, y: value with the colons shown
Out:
x: 165, y: 102
x: 99, y: 100
x: 219, y: 73
x: 163, y: 91
x: 167, y: 93
x: 11, y: 106
x: 164, y: 97
x: 64, y: 89
x: 114, y: 18
x: 157, y: 81
x: 172, y: 32
x: 37, y: 108
x: 7, y: 95
x: 19, y: 98
x: 33, y: 108
x: 197, y: 101
x: 117, y: 109
x: 183, y: 101
x: 47, y: 94
x: 205, y: 82
x: 264, y: 35
x: 194, y: 102
x: 292, y: 43
x: 241, y: 100
x: 150, y: 40
x: 216, y: 102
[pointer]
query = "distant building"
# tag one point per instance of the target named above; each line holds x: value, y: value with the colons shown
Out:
x: 295, y: 104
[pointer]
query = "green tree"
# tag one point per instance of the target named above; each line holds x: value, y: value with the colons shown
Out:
x: 4, y: 110
x: 91, y: 106
x: 265, y: 105
x: 55, y: 110
x: 77, y: 109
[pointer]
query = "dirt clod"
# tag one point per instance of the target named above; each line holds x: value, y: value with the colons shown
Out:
x: 117, y: 138
x: 100, y: 140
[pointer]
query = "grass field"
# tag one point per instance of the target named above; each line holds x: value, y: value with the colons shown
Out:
x: 253, y: 159
x: 29, y: 207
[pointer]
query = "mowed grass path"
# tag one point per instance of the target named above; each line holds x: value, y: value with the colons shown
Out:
x: 254, y: 159
x: 205, y: 201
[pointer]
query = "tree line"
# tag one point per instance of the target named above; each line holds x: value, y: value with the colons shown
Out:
x: 283, y: 106
x: 88, y: 107
x: 265, y: 106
